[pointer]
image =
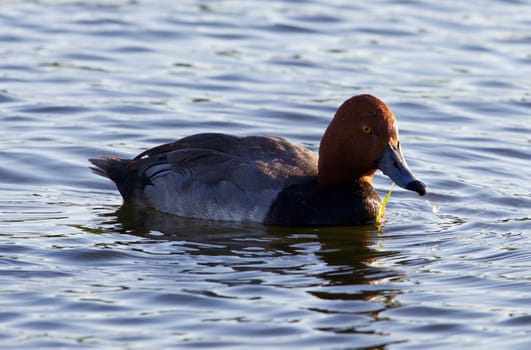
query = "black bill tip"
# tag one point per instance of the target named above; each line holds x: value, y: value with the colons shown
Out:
x: 418, y: 187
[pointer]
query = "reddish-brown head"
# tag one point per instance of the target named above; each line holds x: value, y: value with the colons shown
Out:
x: 354, y: 144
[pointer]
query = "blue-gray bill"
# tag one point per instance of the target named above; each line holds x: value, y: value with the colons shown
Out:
x: 394, y: 165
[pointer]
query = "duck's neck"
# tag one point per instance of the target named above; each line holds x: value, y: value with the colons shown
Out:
x: 340, y: 174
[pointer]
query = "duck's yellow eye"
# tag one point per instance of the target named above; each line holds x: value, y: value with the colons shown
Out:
x: 366, y: 129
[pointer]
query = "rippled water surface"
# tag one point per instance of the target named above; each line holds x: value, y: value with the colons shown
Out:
x: 84, y: 78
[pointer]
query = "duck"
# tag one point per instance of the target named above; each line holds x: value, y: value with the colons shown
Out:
x: 268, y: 179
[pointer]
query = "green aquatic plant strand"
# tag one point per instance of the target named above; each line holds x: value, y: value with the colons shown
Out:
x: 382, y: 207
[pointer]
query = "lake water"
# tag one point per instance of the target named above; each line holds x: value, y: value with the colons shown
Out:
x: 78, y: 79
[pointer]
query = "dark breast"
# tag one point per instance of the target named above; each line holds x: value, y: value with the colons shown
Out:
x: 309, y: 204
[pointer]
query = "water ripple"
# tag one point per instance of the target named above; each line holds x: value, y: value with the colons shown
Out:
x: 80, y: 79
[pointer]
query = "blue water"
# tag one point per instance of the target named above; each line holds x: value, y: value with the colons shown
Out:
x: 78, y: 79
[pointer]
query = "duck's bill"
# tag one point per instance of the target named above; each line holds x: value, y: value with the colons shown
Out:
x: 394, y: 165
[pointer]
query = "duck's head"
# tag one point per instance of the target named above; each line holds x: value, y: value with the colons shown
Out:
x: 362, y: 138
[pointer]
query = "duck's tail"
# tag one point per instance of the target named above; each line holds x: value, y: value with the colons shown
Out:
x: 116, y: 169
x: 111, y: 167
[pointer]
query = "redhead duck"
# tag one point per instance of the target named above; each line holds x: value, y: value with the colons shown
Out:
x: 269, y: 179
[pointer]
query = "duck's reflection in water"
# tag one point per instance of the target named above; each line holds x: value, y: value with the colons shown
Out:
x: 332, y: 271
x: 339, y: 262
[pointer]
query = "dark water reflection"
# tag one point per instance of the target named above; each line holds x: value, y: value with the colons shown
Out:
x: 347, y: 252
x: 330, y: 273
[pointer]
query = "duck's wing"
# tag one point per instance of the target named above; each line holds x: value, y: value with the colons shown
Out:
x: 213, y: 156
x: 251, y: 147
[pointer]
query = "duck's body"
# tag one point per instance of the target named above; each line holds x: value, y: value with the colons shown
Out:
x: 212, y: 176
x: 259, y: 178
